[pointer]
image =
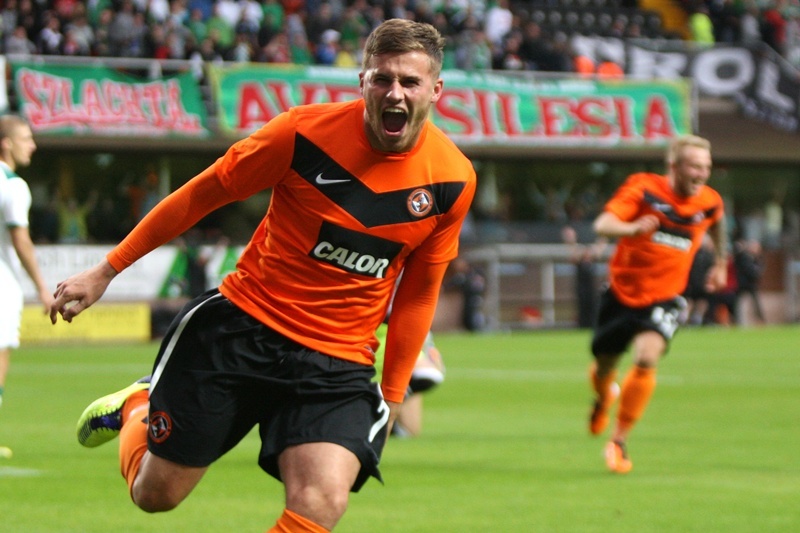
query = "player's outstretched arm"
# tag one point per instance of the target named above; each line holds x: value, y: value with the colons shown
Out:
x: 609, y: 225
x: 83, y: 289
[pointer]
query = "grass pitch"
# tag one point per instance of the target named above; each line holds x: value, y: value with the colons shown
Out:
x: 505, y: 446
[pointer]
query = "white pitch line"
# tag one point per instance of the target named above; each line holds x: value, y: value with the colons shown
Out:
x: 10, y: 471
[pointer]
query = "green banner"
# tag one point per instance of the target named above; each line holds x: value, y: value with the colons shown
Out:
x: 88, y: 100
x: 478, y: 108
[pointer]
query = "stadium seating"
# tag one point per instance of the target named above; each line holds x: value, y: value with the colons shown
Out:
x: 604, y: 18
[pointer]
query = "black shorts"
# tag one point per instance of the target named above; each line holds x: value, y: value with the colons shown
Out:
x: 617, y: 323
x: 220, y: 372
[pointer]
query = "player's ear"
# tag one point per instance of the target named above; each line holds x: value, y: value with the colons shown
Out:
x: 437, y: 90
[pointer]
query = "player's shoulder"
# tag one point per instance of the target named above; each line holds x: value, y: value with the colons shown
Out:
x: 646, y: 179
x: 447, y: 155
x: 636, y: 184
x: 326, y: 110
x: 709, y: 196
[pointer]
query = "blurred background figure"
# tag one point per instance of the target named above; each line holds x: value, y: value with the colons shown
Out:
x: 696, y: 292
x: 428, y: 374
x: 17, y: 253
x: 749, y: 269
x: 472, y: 285
x: 583, y: 257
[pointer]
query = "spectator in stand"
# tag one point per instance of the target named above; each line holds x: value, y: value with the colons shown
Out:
x: 155, y: 43
x: 534, y: 49
x: 327, y: 48
x: 509, y: 57
x: 197, y: 25
x: 773, y: 27
x: 273, y: 15
x: 725, y: 15
x: 318, y: 23
x: 73, y: 226
x: 81, y: 34
x: 375, y: 16
x: 750, y: 24
x: 28, y: 18
x: 498, y: 23
x: 353, y: 26
x: 220, y: 31
x: 8, y: 18
x: 278, y: 50
x: 205, y: 6
x: 346, y: 56
x: 473, y: 51
x: 102, y: 41
x: 298, y: 48
x: 397, y: 9
x: 178, y: 38
x: 93, y: 10
x: 121, y: 29
x: 157, y: 11
x: 230, y: 11
x: 700, y: 26
x: 242, y: 51
x: 178, y: 12
x: 50, y: 39
x: 18, y: 42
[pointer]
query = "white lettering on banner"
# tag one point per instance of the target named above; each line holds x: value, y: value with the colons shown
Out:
x: 723, y: 71
x: 767, y: 88
x: 756, y: 77
x: 661, y: 65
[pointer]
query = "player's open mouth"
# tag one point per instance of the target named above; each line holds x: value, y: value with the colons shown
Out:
x: 394, y: 120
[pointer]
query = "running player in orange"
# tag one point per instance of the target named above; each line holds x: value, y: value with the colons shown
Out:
x: 360, y: 192
x: 660, y: 222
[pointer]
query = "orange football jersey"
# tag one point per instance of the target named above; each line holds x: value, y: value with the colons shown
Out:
x: 654, y: 267
x: 322, y: 265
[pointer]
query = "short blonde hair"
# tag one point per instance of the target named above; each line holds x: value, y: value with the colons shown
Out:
x: 677, y: 145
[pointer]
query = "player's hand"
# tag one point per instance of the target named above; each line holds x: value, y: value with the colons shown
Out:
x: 394, y: 410
x: 83, y: 289
x: 645, y: 224
x: 47, y: 300
x: 717, y: 278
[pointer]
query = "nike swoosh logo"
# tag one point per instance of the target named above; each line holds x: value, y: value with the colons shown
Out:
x: 322, y: 181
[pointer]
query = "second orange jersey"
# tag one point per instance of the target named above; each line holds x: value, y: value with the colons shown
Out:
x: 654, y: 267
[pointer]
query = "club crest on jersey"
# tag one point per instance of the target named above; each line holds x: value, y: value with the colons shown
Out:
x: 420, y: 202
x: 159, y: 426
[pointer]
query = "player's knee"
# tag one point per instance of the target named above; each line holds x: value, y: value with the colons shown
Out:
x: 321, y: 506
x: 155, y: 501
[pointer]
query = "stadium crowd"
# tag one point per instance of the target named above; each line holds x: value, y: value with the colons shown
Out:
x: 495, y: 34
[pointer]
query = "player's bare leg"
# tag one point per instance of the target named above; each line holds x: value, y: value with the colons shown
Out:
x: 318, y: 477
x: 161, y: 484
